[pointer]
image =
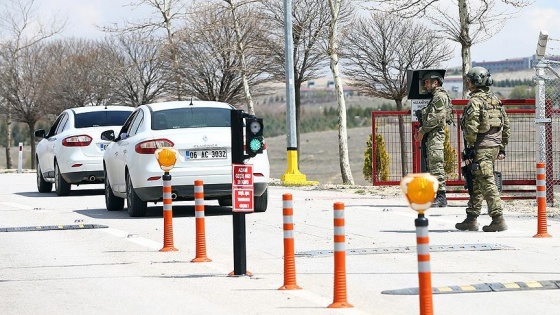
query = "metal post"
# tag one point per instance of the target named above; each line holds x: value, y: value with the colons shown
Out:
x: 239, y: 233
x: 540, y: 117
x: 20, y: 158
x: 239, y: 245
x: 292, y: 175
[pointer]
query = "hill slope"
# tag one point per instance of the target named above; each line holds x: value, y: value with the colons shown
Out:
x: 319, y: 159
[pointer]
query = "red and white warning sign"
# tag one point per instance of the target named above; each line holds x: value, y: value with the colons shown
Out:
x: 242, y: 188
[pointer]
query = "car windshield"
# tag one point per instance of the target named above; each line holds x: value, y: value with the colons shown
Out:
x: 101, y: 118
x: 198, y: 117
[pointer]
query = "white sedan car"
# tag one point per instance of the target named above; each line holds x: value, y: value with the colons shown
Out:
x: 200, y: 131
x: 72, y: 151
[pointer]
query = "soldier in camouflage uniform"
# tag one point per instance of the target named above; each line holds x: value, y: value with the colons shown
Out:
x: 433, y: 122
x: 486, y: 133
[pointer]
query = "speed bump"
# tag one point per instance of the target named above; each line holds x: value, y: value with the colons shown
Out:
x: 53, y: 227
x: 484, y: 287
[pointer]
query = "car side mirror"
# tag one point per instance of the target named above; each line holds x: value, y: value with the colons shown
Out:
x: 40, y: 133
x: 108, y: 135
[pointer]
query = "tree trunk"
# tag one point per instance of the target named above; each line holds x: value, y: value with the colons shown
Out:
x: 31, y: 126
x: 345, y: 170
x: 9, y: 139
x: 466, y: 43
x: 241, y: 53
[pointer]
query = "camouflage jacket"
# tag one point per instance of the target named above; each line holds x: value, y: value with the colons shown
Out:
x: 435, y: 113
x: 484, y: 121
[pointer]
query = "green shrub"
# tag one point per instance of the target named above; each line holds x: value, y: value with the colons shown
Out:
x: 381, y: 159
x: 450, y: 157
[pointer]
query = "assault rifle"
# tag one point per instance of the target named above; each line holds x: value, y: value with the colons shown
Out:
x: 467, y: 171
x: 423, y: 150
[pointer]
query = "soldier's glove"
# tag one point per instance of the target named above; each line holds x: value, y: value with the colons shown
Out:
x: 502, y: 155
x: 468, y: 154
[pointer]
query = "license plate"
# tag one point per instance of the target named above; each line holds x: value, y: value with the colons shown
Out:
x: 103, y: 146
x: 206, y: 154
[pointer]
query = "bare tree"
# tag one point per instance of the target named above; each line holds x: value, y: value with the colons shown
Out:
x: 233, y: 7
x: 473, y: 22
x: 333, y: 51
x: 210, y: 65
x: 380, y: 49
x: 82, y: 73
x: 310, y: 20
x: 141, y: 77
x: 22, y: 27
x: 167, y: 16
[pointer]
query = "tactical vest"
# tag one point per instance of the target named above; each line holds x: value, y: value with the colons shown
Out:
x: 490, y: 112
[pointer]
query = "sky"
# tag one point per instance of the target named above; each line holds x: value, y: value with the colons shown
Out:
x: 517, y: 39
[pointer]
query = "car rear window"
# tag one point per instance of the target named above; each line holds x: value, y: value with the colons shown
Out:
x: 191, y: 118
x: 101, y: 118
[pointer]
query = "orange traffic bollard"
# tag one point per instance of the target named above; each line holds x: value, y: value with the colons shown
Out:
x: 200, y: 226
x: 167, y: 215
x: 340, y: 299
x: 424, y: 269
x: 541, y: 201
x: 289, y: 255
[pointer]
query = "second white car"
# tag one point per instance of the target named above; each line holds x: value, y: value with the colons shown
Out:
x: 71, y: 152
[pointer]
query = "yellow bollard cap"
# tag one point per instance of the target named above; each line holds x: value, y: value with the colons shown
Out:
x: 420, y: 190
x: 166, y: 158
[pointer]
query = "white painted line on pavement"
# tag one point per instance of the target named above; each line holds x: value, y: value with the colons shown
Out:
x: 133, y: 238
x: 17, y: 205
x: 322, y: 301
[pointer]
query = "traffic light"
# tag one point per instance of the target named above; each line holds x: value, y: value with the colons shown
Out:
x: 254, y: 141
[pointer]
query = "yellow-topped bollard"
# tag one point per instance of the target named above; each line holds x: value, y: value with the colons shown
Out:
x: 167, y: 157
x: 420, y: 190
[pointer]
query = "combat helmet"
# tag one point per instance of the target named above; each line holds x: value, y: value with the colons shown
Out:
x: 479, y: 76
x: 432, y: 75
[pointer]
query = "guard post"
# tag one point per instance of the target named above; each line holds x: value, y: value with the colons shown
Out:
x: 419, y: 98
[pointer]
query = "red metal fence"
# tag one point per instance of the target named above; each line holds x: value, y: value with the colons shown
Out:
x: 518, y: 169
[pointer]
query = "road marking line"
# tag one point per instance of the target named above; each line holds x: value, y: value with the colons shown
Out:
x: 133, y: 238
x: 17, y: 205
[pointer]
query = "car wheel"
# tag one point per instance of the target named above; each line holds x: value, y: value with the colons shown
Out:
x: 261, y: 202
x: 225, y: 202
x: 61, y: 186
x: 42, y: 185
x: 136, y: 207
x: 112, y: 202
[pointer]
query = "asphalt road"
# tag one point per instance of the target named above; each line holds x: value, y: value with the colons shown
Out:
x: 117, y: 268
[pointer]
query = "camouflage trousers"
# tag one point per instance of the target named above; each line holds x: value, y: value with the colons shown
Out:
x: 434, y: 157
x: 484, y: 186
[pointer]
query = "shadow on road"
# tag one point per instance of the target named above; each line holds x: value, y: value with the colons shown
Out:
x: 155, y: 212
x: 73, y: 193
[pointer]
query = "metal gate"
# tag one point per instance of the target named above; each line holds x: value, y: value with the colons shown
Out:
x: 518, y: 169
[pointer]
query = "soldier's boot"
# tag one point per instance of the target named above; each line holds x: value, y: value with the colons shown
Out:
x: 440, y: 200
x: 469, y: 224
x: 498, y: 224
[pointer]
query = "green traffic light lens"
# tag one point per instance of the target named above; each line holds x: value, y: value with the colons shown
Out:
x: 255, y: 145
